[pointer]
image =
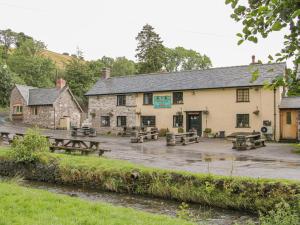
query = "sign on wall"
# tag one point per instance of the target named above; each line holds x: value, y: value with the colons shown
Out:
x: 162, y: 102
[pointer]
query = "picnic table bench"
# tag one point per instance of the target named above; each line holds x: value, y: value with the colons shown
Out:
x: 140, y: 136
x: 252, y: 141
x: 126, y: 132
x: 78, y: 145
x: 182, y: 138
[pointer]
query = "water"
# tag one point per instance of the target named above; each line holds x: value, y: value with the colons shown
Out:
x: 202, y: 214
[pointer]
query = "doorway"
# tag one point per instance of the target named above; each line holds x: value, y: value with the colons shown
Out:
x: 194, y: 121
x: 288, y: 124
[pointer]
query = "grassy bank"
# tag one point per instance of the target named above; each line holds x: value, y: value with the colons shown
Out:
x: 20, y: 205
x: 120, y: 176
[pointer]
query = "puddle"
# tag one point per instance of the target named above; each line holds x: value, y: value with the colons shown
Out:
x: 203, y: 214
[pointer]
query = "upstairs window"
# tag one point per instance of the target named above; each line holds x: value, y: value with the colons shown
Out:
x: 18, y: 109
x: 242, y: 95
x: 242, y: 121
x: 177, y: 98
x: 148, y: 121
x: 121, y: 121
x: 178, y: 121
x: 105, y: 121
x: 121, y: 100
x: 148, y: 98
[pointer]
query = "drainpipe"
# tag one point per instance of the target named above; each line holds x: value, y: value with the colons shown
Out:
x: 54, y: 117
x: 275, y: 115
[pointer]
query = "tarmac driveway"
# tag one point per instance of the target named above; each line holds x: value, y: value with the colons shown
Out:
x: 215, y: 156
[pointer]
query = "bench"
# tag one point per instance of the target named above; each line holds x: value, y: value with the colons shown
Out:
x: 244, y: 142
x: 83, y: 151
x: 182, y: 138
x: 140, y: 136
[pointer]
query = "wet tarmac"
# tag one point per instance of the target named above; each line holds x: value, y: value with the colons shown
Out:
x: 215, y: 156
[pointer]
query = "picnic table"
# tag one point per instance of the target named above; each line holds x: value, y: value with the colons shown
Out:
x: 251, y: 141
x: 73, y: 145
x: 182, y: 138
x: 140, y: 136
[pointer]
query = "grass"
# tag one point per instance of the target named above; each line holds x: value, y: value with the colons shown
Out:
x: 296, y: 148
x: 26, y: 206
x: 241, y: 193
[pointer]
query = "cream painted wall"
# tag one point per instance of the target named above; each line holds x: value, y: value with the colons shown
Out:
x: 222, y: 107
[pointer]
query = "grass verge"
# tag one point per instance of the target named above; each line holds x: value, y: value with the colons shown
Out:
x: 241, y: 193
x: 26, y: 206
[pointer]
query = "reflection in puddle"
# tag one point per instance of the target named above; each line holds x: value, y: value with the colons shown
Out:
x: 153, y: 205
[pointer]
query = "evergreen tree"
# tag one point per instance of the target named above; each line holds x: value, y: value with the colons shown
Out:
x: 150, y: 50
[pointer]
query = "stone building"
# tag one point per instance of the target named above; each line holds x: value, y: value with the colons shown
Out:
x: 45, y: 107
x: 217, y: 99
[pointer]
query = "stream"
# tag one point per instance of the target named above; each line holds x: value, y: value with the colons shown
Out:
x: 202, y: 214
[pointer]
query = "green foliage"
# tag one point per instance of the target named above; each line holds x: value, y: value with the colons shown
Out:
x: 6, y: 85
x: 282, y: 214
x: 163, y: 132
x: 123, y: 66
x: 29, y: 148
x: 180, y: 130
x: 184, y: 213
x: 26, y: 206
x: 265, y: 17
x: 179, y: 59
x: 150, y: 51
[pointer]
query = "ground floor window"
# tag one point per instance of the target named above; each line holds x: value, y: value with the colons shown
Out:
x: 34, y: 110
x: 288, y: 117
x: 242, y: 121
x: 178, y: 121
x: 18, y: 109
x: 148, y: 121
x: 121, y: 121
x: 105, y: 121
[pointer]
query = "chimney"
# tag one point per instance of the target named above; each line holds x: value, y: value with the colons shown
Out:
x: 105, y: 73
x: 60, y: 83
x: 253, y: 59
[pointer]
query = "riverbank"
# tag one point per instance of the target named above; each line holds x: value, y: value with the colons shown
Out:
x: 26, y: 206
x: 240, y: 193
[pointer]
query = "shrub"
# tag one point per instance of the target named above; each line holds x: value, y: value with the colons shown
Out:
x: 29, y: 148
x: 180, y: 130
x: 163, y: 132
x: 283, y: 214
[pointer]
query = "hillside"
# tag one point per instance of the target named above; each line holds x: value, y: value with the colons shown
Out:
x: 59, y: 59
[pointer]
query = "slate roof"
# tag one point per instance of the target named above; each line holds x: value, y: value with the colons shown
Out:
x: 38, y: 96
x: 290, y: 103
x: 236, y: 76
x: 43, y: 96
x: 24, y: 91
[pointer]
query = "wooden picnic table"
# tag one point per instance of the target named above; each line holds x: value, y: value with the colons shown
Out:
x: 182, y: 138
x: 140, y: 136
x: 252, y: 141
x: 4, y: 134
x: 85, y: 146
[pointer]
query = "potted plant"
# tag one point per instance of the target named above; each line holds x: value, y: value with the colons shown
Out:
x: 206, y: 132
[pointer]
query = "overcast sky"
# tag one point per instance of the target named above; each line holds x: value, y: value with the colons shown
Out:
x: 109, y: 27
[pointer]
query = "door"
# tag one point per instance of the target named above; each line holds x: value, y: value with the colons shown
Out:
x: 194, y: 121
x: 288, y: 124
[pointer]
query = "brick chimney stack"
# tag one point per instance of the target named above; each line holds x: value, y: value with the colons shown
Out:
x: 60, y: 83
x: 253, y: 59
x: 106, y: 73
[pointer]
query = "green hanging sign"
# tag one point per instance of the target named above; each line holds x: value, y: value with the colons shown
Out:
x: 162, y: 102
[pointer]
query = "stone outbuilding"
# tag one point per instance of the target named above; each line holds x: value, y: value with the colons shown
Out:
x: 45, y: 107
x: 290, y: 119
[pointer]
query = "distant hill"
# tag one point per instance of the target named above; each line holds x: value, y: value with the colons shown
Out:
x: 59, y: 59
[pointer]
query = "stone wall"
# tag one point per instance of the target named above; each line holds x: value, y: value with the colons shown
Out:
x: 65, y: 106
x: 44, y: 117
x: 17, y: 99
x: 107, y: 106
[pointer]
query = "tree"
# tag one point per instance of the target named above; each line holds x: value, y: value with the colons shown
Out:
x: 33, y: 68
x: 6, y: 84
x: 7, y: 39
x: 267, y: 16
x: 150, y: 50
x: 179, y: 59
x: 79, y: 78
x: 123, y: 66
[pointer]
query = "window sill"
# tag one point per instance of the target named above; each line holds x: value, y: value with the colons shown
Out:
x: 242, y: 127
x: 243, y: 102
x: 178, y: 103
